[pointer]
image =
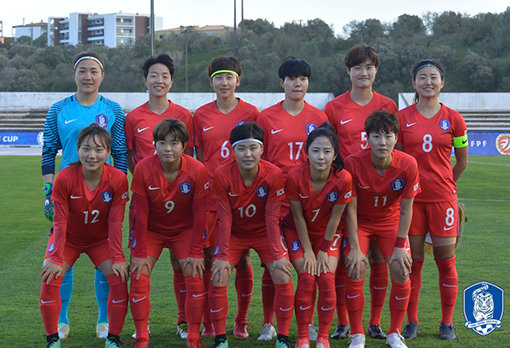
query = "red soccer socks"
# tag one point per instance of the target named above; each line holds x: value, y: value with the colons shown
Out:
x: 399, y: 299
x: 283, y: 306
x: 139, y: 299
x: 355, y: 300
x: 304, y: 302
x: 448, y: 286
x: 195, y: 301
x: 415, y: 278
x: 267, y: 297
x: 244, y: 288
x: 378, y: 286
x: 327, y: 300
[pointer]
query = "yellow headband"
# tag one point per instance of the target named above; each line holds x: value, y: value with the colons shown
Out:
x: 224, y: 71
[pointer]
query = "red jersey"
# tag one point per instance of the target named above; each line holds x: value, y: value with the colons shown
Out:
x: 141, y: 122
x: 317, y: 206
x: 379, y: 195
x: 170, y: 203
x: 88, y: 219
x: 348, y: 118
x: 430, y: 141
x: 285, y: 135
x: 248, y: 207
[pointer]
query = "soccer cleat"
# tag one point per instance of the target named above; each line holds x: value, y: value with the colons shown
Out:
x: 112, y: 341
x: 148, y: 331
x: 141, y: 344
x: 312, y: 332
x: 63, y: 330
x: 220, y: 342
x: 208, y: 330
x: 282, y: 342
x: 342, y: 331
x: 411, y: 330
x: 376, y: 332
x: 267, y: 333
x: 182, y: 330
x: 395, y: 340
x: 322, y: 342
x: 194, y: 343
x: 240, y: 330
x: 302, y: 343
x: 53, y: 341
x: 357, y: 341
x: 102, y: 330
x: 446, y: 332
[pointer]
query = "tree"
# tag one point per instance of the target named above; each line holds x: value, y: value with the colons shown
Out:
x: 477, y: 73
x: 365, y: 31
x: 407, y: 26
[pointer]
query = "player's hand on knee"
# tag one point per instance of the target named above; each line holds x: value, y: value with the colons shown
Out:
x: 195, y: 266
x: 220, y: 271
x: 310, y: 262
x: 402, y: 257
x: 121, y: 269
x: 283, y: 265
x: 138, y: 265
x: 354, y: 263
x: 50, y: 270
x: 322, y: 263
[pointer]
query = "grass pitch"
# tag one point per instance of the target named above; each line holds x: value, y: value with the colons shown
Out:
x: 484, y: 255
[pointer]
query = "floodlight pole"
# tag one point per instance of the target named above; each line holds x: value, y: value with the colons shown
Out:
x: 153, y: 44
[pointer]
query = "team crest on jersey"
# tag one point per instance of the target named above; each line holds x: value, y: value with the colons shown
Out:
x: 483, y: 307
x: 262, y: 192
x: 102, y: 120
x: 50, y: 248
x: 107, y: 196
x: 332, y: 196
x: 310, y: 127
x: 185, y: 188
x: 397, y: 184
x: 240, y: 123
x: 295, y: 245
x: 444, y: 124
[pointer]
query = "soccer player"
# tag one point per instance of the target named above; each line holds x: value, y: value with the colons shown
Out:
x: 428, y: 131
x: 89, y: 202
x: 169, y: 189
x: 348, y: 113
x: 64, y: 122
x: 158, y: 75
x: 286, y: 126
x: 318, y: 192
x: 385, y: 182
x: 248, y: 194
x: 213, y: 123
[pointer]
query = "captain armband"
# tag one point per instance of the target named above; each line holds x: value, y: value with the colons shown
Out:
x: 461, y: 141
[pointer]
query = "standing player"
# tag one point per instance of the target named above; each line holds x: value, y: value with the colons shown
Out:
x: 213, y: 123
x: 169, y: 189
x: 348, y: 113
x: 428, y: 131
x: 248, y: 194
x: 64, y: 122
x: 286, y: 126
x: 385, y: 182
x: 158, y: 73
x: 89, y: 201
x: 318, y: 192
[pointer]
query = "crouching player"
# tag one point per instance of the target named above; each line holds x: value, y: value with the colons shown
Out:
x: 169, y: 191
x: 89, y: 199
x: 385, y: 182
x: 249, y: 193
x: 318, y: 192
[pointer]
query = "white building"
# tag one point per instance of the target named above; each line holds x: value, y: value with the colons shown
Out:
x: 32, y: 30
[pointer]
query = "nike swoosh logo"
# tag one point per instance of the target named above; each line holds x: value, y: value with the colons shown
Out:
x: 449, y: 286
x: 246, y: 295
x: 274, y: 131
x: 346, y: 121
x: 464, y: 141
x: 140, y: 130
x: 363, y: 187
x: 216, y: 310
x: 333, y: 249
x: 183, y: 291
x: 285, y: 309
x: 136, y: 300
x: 75, y: 197
x: 380, y: 287
x: 410, y: 124
x: 326, y: 309
x: 199, y: 295
x: 301, y: 308
x: 351, y: 297
x: 304, y: 197
x: 47, y: 302
x: 401, y: 298
x: 233, y: 194
x: 66, y: 121
x: 446, y: 229
x: 153, y: 188
x: 205, y: 129
x: 119, y: 301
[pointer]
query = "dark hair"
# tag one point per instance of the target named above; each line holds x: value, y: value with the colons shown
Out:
x: 224, y: 63
x: 294, y: 67
x: 359, y: 53
x: 89, y: 54
x: 161, y: 59
x: 245, y: 131
x: 95, y: 130
x: 423, y: 64
x: 382, y: 121
x: 327, y: 131
x: 171, y: 126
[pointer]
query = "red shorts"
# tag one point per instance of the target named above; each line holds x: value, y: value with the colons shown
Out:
x: 296, y: 250
x: 211, y: 229
x: 179, y: 244
x: 439, y: 219
x: 238, y: 247
x: 98, y: 252
x: 385, y: 236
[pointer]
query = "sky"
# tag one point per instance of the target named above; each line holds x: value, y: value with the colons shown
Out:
x: 337, y: 13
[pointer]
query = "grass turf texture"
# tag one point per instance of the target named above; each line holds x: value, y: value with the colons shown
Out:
x: 483, y: 255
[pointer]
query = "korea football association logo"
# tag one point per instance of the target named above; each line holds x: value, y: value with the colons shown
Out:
x: 295, y: 245
x: 185, y: 188
x: 262, y: 192
x: 483, y: 307
x: 107, y: 196
x: 310, y: 127
x: 240, y: 123
x: 444, y: 124
x: 102, y: 120
x: 397, y: 184
x: 332, y: 196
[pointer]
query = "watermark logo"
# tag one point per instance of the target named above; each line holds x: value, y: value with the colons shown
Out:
x: 483, y: 307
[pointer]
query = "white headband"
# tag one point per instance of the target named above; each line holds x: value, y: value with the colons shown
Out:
x: 88, y: 57
x: 247, y: 139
